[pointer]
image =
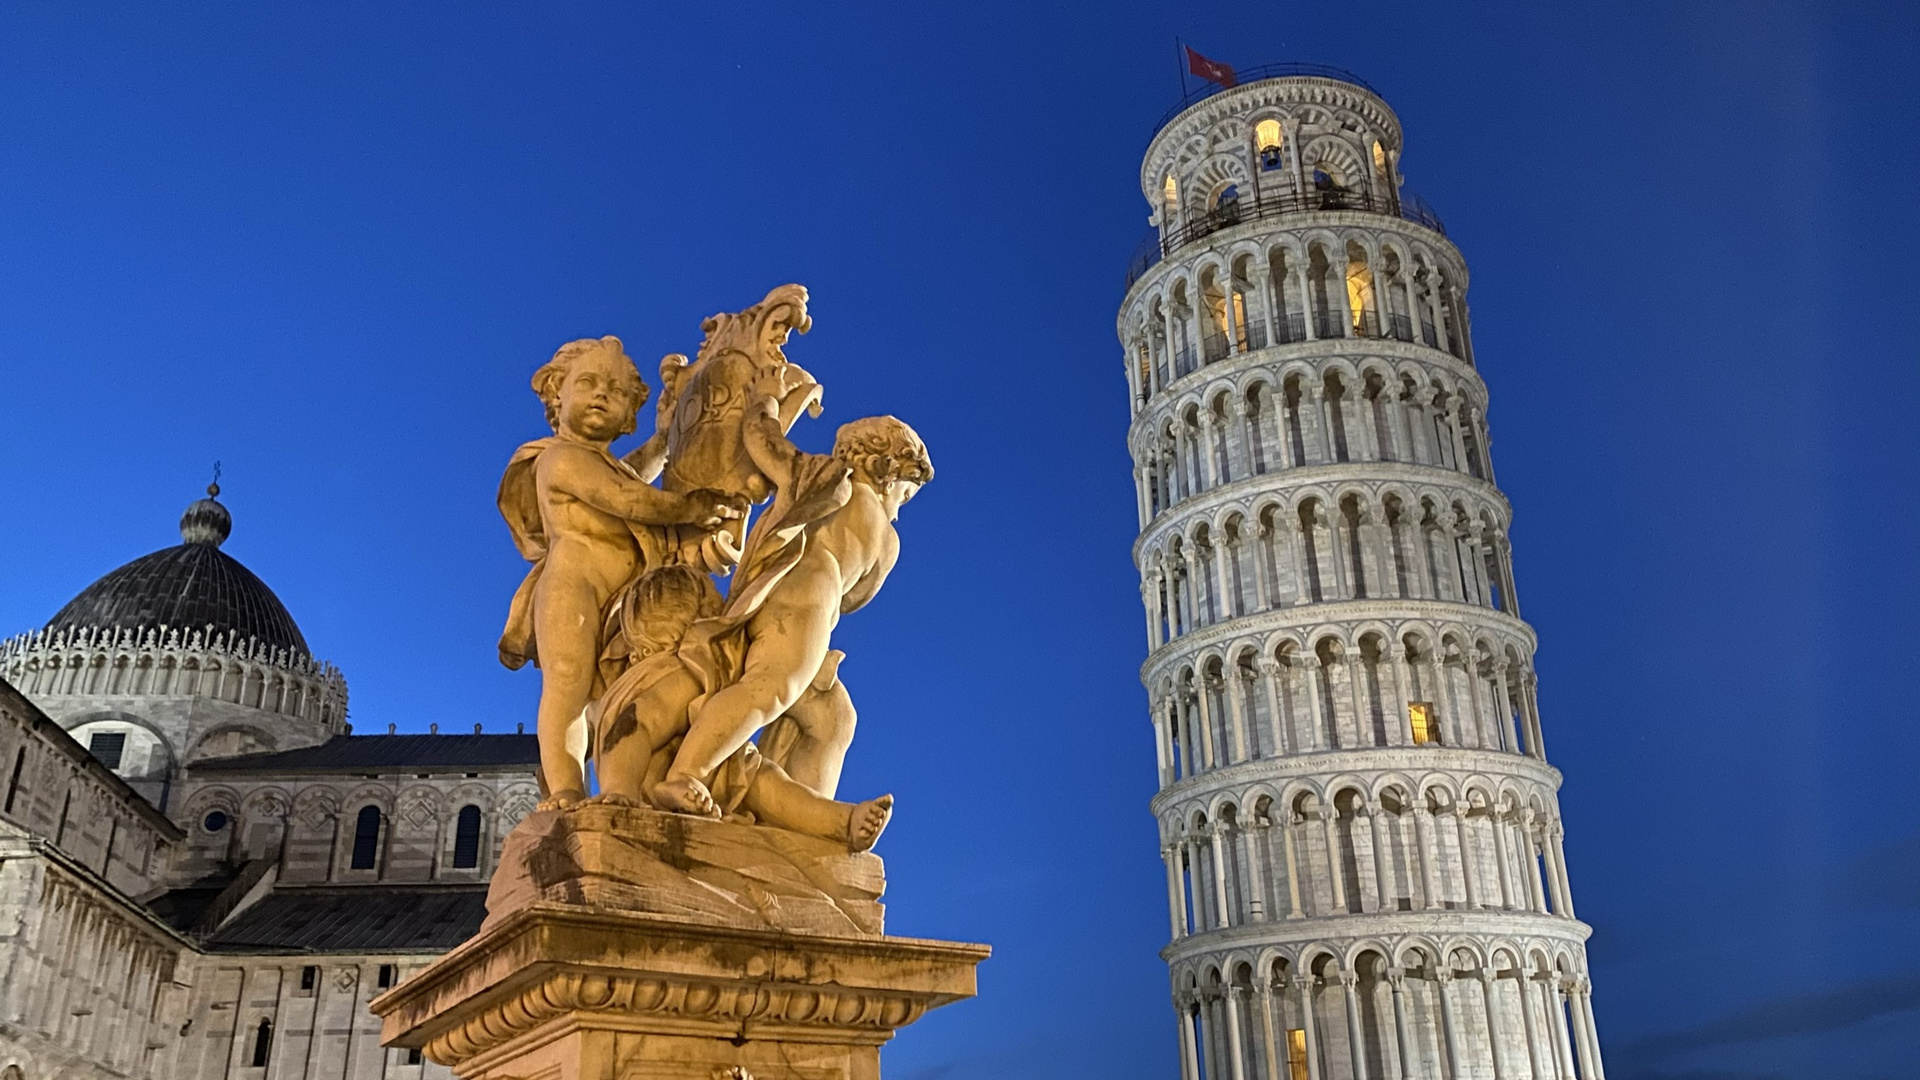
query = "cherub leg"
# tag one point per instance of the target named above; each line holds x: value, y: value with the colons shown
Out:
x: 780, y: 661
x: 824, y: 722
x: 566, y: 624
x: 628, y: 743
x: 783, y: 802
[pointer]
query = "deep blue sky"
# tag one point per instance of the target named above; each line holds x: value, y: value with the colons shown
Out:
x: 328, y: 245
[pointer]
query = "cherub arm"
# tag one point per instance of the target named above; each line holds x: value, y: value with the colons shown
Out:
x: 764, y: 428
x: 586, y: 476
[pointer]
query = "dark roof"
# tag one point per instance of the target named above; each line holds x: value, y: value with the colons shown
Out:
x: 182, y: 908
x: 355, y: 919
x: 390, y: 753
x: 193, y: 586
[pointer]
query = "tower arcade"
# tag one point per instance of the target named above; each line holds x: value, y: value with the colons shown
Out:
x: 1362, y: 837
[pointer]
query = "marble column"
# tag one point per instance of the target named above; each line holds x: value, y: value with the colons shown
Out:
x: 1176, y: 889
x: 1189, y: 1046
x: 1403, y: 1045
x: 1466, y: 853
x: 1256, y: 869
x: 1489, y: 991
x: 1536, y: 889
x: 1220, y: 864
x: 1558, y: 1026
x: 1428, y: 843
x: 1529, y: 1028
x: 1330, y: 826
x: 1236, y: 1053
x: 1356, y: 1041
x: 1276, y: 706
x: 1557, y: 836
x: 1236, y: 720
x: 1310, y: 669
x: 1309, y: 1025
x: 1399, y: 722
x: 1501, y: 852
x: 1293, y: 866
x: 1382, y: 859
x: 1449, y: 1034
x: 1271, y: 1066
x: 1209, y: 738
x: 1583, y: 1004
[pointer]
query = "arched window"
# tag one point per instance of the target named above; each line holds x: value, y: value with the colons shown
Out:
x: 466, y: 839
x: 1170, y: 197
x: 262, y: 1043
x: 1266, y: 138
x: 366, y: 838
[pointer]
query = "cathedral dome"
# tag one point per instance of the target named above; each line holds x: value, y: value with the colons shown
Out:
x: 191, y: 586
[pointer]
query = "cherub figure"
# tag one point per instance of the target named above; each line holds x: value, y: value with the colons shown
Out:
x: 823, y: 549
x: 643, y: 715
x: 589, y: 523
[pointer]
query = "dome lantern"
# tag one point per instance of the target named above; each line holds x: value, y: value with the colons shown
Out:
x: 193, y: 586
x: 206, y: 521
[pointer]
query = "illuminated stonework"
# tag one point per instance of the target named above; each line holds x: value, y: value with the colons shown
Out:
x: 1361, y: 831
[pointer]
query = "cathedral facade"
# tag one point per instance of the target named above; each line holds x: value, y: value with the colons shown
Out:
x: 1365, y: 875
x: 203, y: 871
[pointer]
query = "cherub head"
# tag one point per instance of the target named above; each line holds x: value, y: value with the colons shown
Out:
x: 887, y: 455
x: 591, y: 389
x: 662, y: 604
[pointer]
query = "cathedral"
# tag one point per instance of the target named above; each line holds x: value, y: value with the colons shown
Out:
x: 203, y: 871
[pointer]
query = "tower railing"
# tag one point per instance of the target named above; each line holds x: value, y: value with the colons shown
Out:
x: 1152, y: 248
x: 1243, y: 76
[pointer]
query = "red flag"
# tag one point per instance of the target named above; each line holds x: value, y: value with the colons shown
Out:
x: 1210, y: 70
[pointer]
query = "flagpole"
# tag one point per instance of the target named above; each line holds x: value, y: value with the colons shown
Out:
x: 1180, y: 62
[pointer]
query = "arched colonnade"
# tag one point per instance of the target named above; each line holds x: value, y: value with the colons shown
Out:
x: 1373, y: 686
x: 1411, y: 1010
x: 1309, y: 285
x: 1305, y: 415
x: 1273, y: 853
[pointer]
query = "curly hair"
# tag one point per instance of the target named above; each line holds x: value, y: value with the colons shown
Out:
x: 546, y: 381
x: 885, y: 447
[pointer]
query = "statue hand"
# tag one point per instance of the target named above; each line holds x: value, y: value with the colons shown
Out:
x: 765, y: 392
x: 709, y: 509
x: 673, y: 371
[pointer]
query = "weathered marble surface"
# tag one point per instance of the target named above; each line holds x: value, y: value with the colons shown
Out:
x: 721, y: 873
x: 566, y: 992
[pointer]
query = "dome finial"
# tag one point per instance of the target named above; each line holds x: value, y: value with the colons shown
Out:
x: 206, y: 521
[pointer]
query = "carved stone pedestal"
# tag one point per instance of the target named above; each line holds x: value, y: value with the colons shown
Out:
x: 643, y: 967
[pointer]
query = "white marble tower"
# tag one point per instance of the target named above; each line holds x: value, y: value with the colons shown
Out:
x: 1361, y: 830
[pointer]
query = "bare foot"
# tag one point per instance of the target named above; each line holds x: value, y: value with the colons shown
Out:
x: 685, y: 795
x: 867, y: 821
x: 564, y: 799
x: 614, y: 798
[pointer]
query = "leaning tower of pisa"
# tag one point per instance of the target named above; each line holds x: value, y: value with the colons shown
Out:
x: 1362, y: 836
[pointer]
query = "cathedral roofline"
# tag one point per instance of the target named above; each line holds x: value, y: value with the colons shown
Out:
x: 57, y: 737
x: 390, y: 753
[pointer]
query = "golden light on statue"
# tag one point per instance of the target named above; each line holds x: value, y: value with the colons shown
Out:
x: 714, y: 908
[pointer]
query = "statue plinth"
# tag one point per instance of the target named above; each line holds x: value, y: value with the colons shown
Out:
x: 627, y: 944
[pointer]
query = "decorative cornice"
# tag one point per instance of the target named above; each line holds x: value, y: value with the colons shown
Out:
x: 1326, y: 765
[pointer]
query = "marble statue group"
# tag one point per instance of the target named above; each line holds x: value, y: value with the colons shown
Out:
x: 648, y: 669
